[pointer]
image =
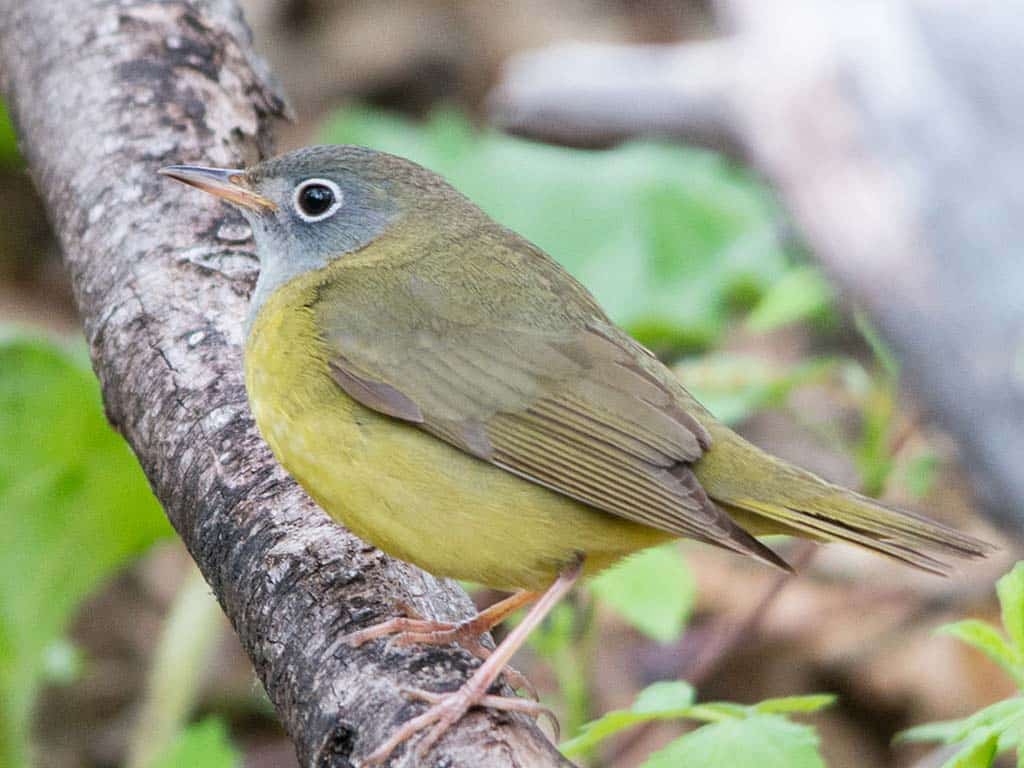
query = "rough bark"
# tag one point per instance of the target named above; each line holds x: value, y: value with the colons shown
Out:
x: 103, y: 93
x: 892, y: 130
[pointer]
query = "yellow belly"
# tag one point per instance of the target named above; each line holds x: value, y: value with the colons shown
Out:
x: 399, y: 488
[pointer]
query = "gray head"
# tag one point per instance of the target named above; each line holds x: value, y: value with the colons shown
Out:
x: 314, y: 205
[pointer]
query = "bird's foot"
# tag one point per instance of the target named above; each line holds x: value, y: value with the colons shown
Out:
x: 413, y: 629
x: 401, y: 628
x: 447, y: 709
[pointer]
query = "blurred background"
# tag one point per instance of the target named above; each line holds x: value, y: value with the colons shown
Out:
x: 112, y: 651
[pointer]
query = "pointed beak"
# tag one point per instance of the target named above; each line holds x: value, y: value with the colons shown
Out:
x: 229, y: 184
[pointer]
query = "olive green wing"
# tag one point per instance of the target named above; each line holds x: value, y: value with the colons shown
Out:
x: 533, y: 379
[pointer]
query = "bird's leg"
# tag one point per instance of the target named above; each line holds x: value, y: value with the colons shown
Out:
x: 413, y: 629
x: 448, y: 708
x: 410, y: 629
x: 505, y: 703
x: 509, y: 674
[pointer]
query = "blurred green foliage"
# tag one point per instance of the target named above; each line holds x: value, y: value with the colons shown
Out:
x: 801, y: 293
x: 878, y: 395
x: 754, y: 741
x: 737, y: 736
x: 190, y: 636
x: 666, y: 700
x: 920, y: 474
x: 75, y: 507
x: 997, y: 728
x: 565, y: 641
x: 9, y: 155
x: 202, y: 745
x: 672, y: 241
x: 652, y: 590
x: 735, y: 387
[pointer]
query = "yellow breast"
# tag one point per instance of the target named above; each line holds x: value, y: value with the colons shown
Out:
x: 401, y: 489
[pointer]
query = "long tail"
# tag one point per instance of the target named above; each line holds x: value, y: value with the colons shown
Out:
x: 767, y: 495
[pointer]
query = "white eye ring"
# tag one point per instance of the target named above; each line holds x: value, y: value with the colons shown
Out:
x: 297, y: 201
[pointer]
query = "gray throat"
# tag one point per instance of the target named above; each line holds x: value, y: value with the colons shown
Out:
x: 288, y: 249
x: 275, y: 271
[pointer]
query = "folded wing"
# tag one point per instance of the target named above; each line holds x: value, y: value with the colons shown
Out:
x: 567, y: 400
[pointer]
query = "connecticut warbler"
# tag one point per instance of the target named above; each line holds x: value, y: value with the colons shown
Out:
x: 443, y: 388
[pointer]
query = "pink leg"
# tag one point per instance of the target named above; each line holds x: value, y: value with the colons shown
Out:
x: 413, y: 629
x: 448, y: 708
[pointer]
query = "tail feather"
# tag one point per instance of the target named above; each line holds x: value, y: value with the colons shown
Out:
x: 831, y: 526
x: 790, y: 500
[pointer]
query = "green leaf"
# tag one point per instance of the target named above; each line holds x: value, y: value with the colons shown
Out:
x: 203, y: 745
x: 675, y: 699
x: 74, y: 506
x: 998, y: 717
x: 715, y: 711
x: 1010, y: 589
x: 664, y: 697
x: 598, y: 730
x: 800, y: 294
x: 986, y: 639
x: 653, y: 590
x: 761, y: 741
x: 944, y: 731
x: 669, y: 239
x: 660, y: 701
x: 795, y: 704
x: 735, y: 387
x: 979, y: 752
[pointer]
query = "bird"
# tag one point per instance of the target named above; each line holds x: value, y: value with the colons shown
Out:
x: 443, y: 388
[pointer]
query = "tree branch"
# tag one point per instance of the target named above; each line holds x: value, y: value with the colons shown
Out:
x: 104, y: 92
x: 593, y: 93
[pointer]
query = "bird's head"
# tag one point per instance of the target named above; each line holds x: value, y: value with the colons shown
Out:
x: 314, y: 205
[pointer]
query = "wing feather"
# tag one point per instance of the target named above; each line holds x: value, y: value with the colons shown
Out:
x: 567, y: 401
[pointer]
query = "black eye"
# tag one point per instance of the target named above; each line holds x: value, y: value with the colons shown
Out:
x: 316, y: 199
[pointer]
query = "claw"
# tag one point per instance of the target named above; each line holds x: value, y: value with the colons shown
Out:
x: 505, y: 703
x: 398, y: 626
x: 446, y: 709
x: 412, y: 629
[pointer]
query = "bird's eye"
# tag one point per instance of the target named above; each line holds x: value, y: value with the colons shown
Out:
x: 316, y: 199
